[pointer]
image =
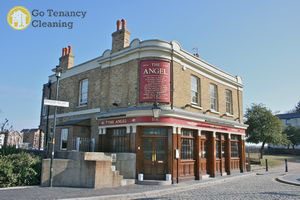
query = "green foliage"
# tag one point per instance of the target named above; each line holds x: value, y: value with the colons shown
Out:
x: 293, y: 134
x: 297, y: 108
x: 19, y: 169
x: 10, y: 150
x: 264, y: 126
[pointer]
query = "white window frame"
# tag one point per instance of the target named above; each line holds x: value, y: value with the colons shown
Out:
x: 213, y: 91
x: 83, y: 101
x: 228, y: 102
x: 64, y: 133
x: 196, y: 91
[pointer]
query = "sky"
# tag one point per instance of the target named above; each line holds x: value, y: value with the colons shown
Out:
x: 257, y: 40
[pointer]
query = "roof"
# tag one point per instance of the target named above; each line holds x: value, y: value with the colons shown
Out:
x: 288, y: 115
x: 29, y: 130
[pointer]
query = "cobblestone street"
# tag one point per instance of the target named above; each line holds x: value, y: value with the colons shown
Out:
x: 248, y: 186
x: 252, y: 187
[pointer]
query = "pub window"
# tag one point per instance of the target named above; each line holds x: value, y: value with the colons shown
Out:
x: 234, y: 146
x: 83, y: 92
x: 218, y: 146
x: 187, y: 144
x: 64, y: 138
x: 204, y: 152
x: 120, y: 140
x: 213, y: 91
x: 228, y: 94
x: 195, y: 90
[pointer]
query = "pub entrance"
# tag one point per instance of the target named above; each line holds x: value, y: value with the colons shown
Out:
x: 154, y: 150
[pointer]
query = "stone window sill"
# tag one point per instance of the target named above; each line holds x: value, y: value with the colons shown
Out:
x: 214, y: 111
x: 228, y: 114
x: 196, y: 106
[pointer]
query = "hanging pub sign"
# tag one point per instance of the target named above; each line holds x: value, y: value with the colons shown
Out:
x: 155, y: 81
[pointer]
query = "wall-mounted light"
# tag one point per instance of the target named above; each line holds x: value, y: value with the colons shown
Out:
x: 156, y: 110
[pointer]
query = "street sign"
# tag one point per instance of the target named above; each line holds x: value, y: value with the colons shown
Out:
x: 49, y: 102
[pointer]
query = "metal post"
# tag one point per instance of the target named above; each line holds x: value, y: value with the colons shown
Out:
x: 267, y: 167
x: 286, y: 165
x: 53, y: 136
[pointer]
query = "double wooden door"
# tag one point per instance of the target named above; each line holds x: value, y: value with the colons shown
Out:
x: 155, y: 157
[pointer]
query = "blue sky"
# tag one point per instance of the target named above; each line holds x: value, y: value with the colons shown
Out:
x: 258, y: 40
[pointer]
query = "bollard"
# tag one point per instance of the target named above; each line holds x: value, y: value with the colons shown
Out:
x: 267, y: 167
x: 286, y: 165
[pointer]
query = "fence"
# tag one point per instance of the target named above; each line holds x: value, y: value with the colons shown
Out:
x: 83, y: 144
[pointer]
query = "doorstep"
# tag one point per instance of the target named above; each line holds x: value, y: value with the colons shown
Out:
x: 154, y: 182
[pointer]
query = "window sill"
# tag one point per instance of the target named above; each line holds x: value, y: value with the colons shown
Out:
x: 228, y: 114
x: 81, y: 106
x: 214, y: 111
x: 193, y: 105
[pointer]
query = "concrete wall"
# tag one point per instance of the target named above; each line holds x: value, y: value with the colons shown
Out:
x: 70, y: 173
x: 91, y: 170
x: 126, y: 165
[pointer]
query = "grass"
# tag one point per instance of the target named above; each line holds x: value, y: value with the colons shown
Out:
x: 276, y: 160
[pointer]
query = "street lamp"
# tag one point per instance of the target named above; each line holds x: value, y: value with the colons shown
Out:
x: 57, y: 74
x: 156, y: 110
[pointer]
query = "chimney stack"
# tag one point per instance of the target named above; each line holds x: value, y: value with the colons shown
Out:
x: 66, y: 61
x: 120, y: 38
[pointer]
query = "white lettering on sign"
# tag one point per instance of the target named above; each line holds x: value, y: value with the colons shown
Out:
x: 49, y: 102
x: 155, y: 71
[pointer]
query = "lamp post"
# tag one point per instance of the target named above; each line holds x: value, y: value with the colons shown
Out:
x: 57, y: 74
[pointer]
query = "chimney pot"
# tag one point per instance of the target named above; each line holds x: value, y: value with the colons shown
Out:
x: 65, y: 51
x: 69, y: 49
x: 123, y: 23
x: 118, y: 25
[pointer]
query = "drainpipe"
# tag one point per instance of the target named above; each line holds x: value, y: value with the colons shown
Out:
x: 47, y: 120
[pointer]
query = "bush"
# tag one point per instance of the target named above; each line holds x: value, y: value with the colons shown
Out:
x: 19, y: 169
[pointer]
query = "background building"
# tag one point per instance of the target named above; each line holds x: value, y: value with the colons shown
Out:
x: 176, y: 113
x: 32, y: 139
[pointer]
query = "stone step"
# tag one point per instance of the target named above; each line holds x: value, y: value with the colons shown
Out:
x: 125, y: 182
x: 206, y: 176
x: 154, y: 182
x: 113, y: 168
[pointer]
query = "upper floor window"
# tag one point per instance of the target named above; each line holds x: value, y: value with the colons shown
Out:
x: 195, y: 90
x: 228, y: 95
x: 83, y: 92
x: 213, y: 90
x: 64, y: 138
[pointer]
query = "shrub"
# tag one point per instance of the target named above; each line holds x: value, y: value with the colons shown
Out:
x: 19, y: 169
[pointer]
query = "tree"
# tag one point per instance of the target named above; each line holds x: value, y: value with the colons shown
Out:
x: 293, y: 135
x: 297, y: 108
x: 5, y: 129
x: 263, y: 127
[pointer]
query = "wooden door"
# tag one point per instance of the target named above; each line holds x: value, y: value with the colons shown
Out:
x: 155, y: 156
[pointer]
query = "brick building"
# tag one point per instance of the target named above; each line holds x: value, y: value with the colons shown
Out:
x: 177, y: 113
x: 33, y: 138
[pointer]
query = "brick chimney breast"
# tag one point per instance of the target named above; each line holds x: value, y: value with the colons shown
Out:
x: 121, y: 37
x: 66, y: 61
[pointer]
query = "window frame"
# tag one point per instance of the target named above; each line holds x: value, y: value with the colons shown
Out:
x: 62, y: 138
x: 187, y: 151
x: 119, y: 140
x: 228, y: 104
x: 213, y: 97
x: 234, y: 140
x: 81, y: 101
x: 198, y: 92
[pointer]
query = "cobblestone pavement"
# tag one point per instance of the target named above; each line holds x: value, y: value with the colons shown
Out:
x: 244, y: 187
x: 262, y: 186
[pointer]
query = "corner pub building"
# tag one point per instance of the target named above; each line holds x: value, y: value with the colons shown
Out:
x: 177, y: 114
